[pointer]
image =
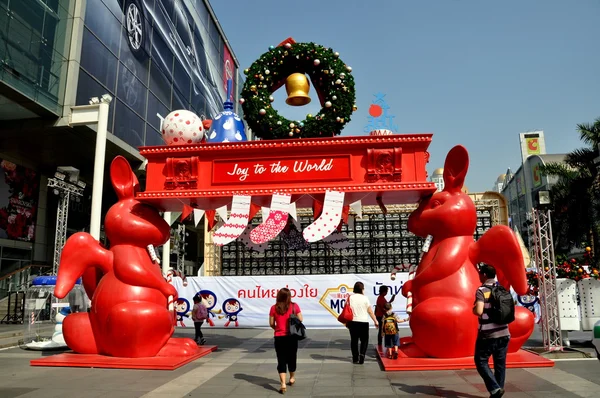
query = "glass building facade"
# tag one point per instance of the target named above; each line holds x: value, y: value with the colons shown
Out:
x: 153, y: 56
x: 35, y: 37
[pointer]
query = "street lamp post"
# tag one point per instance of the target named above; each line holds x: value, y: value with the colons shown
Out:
x: 95, y: 113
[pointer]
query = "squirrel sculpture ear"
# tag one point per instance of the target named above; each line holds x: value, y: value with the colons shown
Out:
x: 455, y: 169
x: 122, y: 178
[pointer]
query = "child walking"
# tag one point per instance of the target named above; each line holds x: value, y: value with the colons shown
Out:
x: 199, y: 315
x: 391, y: 332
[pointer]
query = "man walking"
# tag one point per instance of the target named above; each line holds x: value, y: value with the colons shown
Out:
x: 492, y: 338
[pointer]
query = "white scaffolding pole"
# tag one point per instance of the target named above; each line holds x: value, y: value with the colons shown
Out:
x: 546, y: 267
x: 64, y: 190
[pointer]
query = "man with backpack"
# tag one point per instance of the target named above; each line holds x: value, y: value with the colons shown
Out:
x: 495, y: 308
x: 199, y: 315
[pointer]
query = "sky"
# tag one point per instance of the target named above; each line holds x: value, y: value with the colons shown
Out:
x: 472, y: 72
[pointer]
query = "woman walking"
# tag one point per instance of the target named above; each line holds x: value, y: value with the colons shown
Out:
x: 286, y: 346
x: 359, y: 326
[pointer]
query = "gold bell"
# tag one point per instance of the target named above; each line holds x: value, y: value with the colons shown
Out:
x: 297, y: 87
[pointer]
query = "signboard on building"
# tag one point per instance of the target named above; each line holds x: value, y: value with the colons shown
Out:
x: 536, y: 175
x: 19, y: 191
x: 532, y: 143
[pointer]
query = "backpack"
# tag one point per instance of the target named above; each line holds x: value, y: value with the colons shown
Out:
x: 201, y: 312
x: 390, y: 325
x: 502, y: 306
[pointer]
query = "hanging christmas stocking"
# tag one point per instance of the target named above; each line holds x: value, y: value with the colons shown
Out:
x: 237, y: 222
x: 275, y: 222
x: 245, y: 239
x: 328, y: 220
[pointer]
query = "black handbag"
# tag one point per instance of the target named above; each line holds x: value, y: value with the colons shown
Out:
x: 297, y: 328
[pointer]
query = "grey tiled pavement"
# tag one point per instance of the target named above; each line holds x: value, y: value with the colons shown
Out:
x: 245, y: 364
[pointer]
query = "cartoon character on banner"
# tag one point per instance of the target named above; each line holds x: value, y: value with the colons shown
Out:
x: 532, y: 303
x: 210, y: 301
x: 231, y: 308
x: 182, y: 309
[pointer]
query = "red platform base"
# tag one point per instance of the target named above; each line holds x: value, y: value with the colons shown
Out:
x: 102, y: 361
x: 519, y: 359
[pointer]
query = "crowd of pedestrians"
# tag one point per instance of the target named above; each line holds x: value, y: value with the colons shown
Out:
x: 492, y: 339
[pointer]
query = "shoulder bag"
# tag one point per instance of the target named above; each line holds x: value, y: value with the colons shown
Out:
x: 297, y: 328
x: 346, y: 315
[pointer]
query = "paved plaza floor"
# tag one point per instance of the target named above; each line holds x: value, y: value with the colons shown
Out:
x: 244, y: 366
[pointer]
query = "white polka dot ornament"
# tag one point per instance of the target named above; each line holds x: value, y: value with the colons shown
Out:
x: 182, y: 127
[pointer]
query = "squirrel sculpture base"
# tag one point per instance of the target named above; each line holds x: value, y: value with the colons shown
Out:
x: 519, y: 359
x: 107, y: 362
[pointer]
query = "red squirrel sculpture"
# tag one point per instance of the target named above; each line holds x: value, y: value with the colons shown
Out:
x: 129, y: 315
x: 443, y: 290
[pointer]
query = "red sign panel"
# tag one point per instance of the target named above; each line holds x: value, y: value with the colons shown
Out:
x: 273, y: 170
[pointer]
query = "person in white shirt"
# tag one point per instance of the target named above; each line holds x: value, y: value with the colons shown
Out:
x: 359, y: 326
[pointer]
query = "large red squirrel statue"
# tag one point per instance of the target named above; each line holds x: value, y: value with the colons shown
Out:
x: 129, y: 315
x: 443, y: 290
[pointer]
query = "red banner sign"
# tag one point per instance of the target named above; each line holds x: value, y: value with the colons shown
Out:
x: 268, y: 171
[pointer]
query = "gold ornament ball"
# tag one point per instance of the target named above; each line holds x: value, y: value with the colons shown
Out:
x: 308, y: 116
x: 292, y: 125
x: 291, y: 133
x: 253, y: 87
x: 246, y: 71
x: 327, y: 104
x: 354, y: 108
x: 297, y: 130
x: 588, y: 249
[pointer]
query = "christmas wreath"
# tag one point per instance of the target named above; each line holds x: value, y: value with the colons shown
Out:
x: 329, y: 75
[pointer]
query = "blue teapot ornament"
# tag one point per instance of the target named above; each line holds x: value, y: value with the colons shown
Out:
x: 227, y: 126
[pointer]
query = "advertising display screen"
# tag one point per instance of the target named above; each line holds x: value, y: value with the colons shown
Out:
x: 152, y: 56
x: 19, y: 190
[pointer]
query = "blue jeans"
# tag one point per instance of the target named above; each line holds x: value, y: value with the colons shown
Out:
x: 496, y: 348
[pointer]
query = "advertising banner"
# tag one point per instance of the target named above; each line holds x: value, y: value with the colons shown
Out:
x: 520, y: 181
x: 245, y: 301
x: 228, y: 71
x: 533, y: 146
x: 19, y: 191
x: 536, y: 175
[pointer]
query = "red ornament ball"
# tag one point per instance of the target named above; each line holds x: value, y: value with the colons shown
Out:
x: 375, y: 110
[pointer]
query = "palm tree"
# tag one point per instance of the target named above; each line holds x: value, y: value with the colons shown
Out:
x: 575, y: 196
